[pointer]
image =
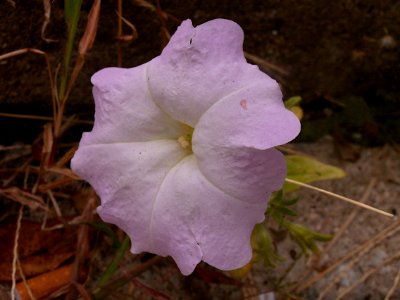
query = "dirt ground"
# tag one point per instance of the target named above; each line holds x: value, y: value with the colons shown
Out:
x: 342, y: 57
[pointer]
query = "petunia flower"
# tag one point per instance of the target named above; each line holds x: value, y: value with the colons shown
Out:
x: 181, y: 152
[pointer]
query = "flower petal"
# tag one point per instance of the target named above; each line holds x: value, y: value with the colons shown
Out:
x: 125, y: 111
x: 194, y: 220
x: 253, y: 117
x: 246, y: 173
x: 127, y: 177
x: 198, y: 67
x: 233, y: 151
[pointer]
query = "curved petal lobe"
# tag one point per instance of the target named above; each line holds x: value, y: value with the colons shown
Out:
x: 195, y: 220
x: 253, y: 117
x: 127, y: 177
x: 198, y: 67
x: 125, y: 111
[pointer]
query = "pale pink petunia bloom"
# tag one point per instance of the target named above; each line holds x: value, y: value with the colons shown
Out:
x: 181, y: 152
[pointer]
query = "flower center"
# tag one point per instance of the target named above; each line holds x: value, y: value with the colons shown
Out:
x: 185, y: 140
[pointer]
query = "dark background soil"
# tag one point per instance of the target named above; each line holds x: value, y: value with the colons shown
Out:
x: 342, y: 57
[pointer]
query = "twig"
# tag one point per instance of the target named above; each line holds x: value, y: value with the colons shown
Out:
x: 15, y: 252
x: 354, y: 202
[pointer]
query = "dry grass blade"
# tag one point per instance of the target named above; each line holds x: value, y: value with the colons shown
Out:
x: 346, y: 199
x: 15, y: 253
x: 266, y: 64
x: 127, y: 37
x: 153, y: 8
x: 24, y: 282
x: 22, y: 168
x: 394, y: 287
x: 50, y: 73
x: 47, y: 14
x: 82, y: 245
x: 358, y: 252
x: 66, y: 157
x: 367, y: 274
x: 22, y: 116
x: 47, y: 149
x: 25, y: 198
x: 85, y: 44
x: 350, y: 218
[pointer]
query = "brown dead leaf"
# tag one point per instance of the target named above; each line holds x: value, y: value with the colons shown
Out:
x: 39, y: 251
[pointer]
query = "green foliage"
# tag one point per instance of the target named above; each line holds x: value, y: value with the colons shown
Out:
x: 261, y: 241
x: 72, y: 9
x: 305, y: 237
x: 72, y: 13
x: 112, y: 268
x: 306, y: 169
x: 279, y: 209
x: 103, y: 227
x: 292, y: 102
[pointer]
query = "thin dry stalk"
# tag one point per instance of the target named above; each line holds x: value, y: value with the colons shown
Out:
x: 17, y: 171
x: 15, y: 253
x: 82, y: 291
x: 50, y: 73
x: 151, y: 7
x: 119, y: 50
x: 127, y: 37
x: 28, y: 288
x: 22, y: 116
x: 55, y: 204
x: 358, y: 251
x: 266, y: 64
x: 47, y: 14
x: 164, y: 33
x: 85, y: 44
x: 394, y: 287
x: 350, y: 218
x: 25, y: 198
x: 66, y: 157
x: 367, y: 274
x: 337, y: 196
x: 82, y: 245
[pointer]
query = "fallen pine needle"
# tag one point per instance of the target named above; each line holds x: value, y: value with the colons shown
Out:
x: 354, y: 202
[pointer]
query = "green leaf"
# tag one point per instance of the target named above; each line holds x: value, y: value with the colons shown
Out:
x: 107, y: 230
x: 290, y: 202
x: 262, y: 244
x: 285, y: 211
x: 305, y: 237
x: 72, y: 9
x: 293, y: 101
x: 72, y: 12
x: 306, y: 169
